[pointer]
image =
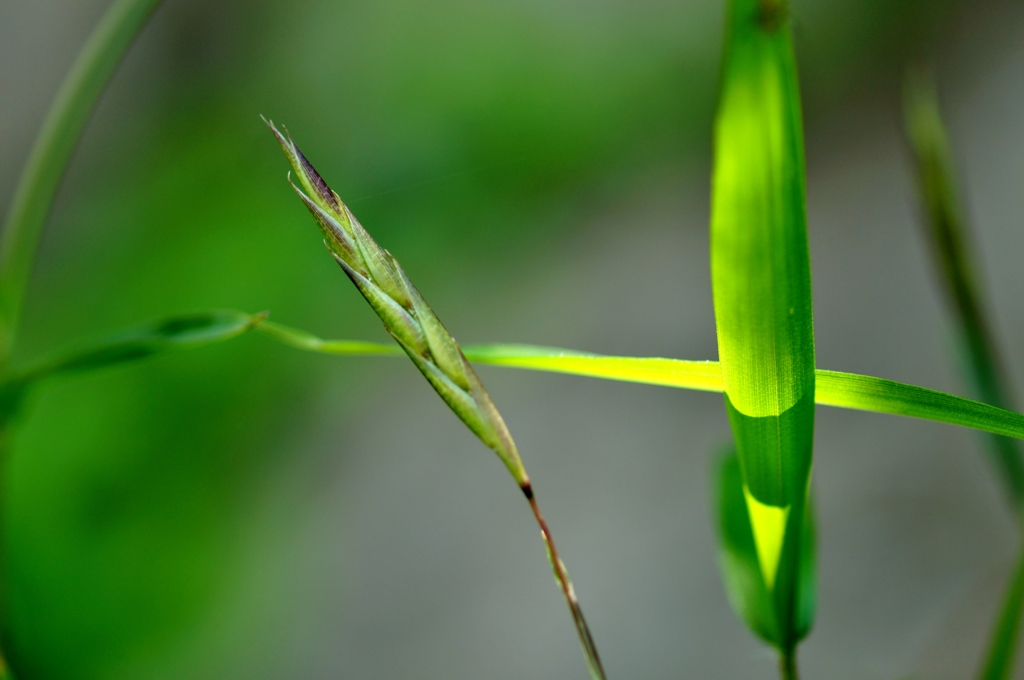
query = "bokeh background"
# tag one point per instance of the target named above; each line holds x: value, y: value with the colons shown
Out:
x: 541, y: 169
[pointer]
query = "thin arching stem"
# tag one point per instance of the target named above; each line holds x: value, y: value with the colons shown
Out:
x: 49, y: 157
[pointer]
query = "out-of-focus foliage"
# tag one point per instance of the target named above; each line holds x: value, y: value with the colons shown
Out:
x: 474, y: 129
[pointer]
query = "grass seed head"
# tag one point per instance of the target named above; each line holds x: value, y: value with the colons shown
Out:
x: 404, y: 312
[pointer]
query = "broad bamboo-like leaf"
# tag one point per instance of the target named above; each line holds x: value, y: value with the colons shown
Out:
x: 60, y: 131
x: 181, y: 331
x: 420, y: 334
x: 761, y: 281
x: 739, y: 562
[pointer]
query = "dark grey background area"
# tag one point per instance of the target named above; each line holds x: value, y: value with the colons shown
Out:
x: 391, y: 544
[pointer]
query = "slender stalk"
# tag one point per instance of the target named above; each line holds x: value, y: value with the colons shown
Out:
x: 49, y: 157
x: 562, y: 578
x: 787, y: 665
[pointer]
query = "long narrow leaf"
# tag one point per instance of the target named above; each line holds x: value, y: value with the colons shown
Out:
x: 694, y: 375
x: 833, y: 388
x: 49, y: 156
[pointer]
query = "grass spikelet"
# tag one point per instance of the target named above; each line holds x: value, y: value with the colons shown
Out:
x: 413, y: 324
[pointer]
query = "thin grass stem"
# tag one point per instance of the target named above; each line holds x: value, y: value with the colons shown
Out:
x: 787, y: 665
x: 49, y: 157
x: 564, y: 582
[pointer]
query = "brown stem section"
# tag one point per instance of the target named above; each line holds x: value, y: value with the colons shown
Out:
x: 562, y: 578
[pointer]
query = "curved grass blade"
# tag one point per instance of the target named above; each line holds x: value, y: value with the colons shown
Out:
x: 420, y: 334
x: 61, y: 129
x: 833, y: 388
x: 181, y: 331
x: 761, y: 281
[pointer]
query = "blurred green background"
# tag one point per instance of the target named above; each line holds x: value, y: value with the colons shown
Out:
x: 539, y: 168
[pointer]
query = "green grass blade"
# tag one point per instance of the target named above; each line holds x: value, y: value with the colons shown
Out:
x: 761, y: 281
x: 61, y: 129
x: 1002, y: 650
x: 867, y: 393
x: 948, y: 234
x: 833, y: 388
x: 694, y: 375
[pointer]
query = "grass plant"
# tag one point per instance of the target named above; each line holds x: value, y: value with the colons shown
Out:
x: 761, y: 280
